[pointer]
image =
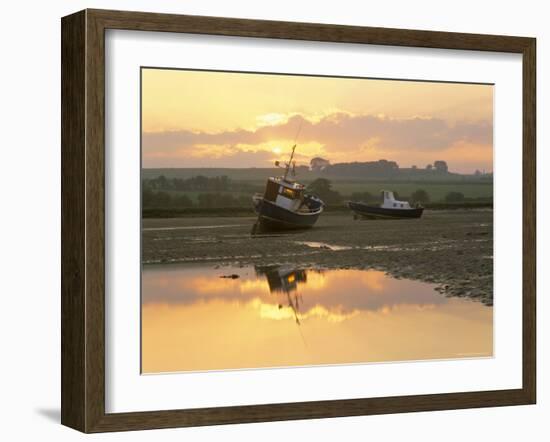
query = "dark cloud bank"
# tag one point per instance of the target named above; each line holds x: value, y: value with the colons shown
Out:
x: 338, y: 132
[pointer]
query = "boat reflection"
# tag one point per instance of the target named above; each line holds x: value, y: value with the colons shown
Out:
x: 282, y: 279
x: 285, y: 280
x: 255, y: 316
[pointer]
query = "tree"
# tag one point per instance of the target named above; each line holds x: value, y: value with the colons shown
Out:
x: 323, y: 189
x: 147, y: 197
x: 200, y: 182
x: 318, y: 164
x: 206, y: 199
x: 221, y: 200
x: 161, y: 199
x: 441, y: 166
x: 454, y: 197
x: 320, y: 186
x: 160, y: 182
x: 182, y: 201
x: 429, y: 167
x: 420, y: 196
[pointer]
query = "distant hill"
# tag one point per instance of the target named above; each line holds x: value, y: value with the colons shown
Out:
x: 245, y: 174
x: 381, y: 170
x: 384, y: 169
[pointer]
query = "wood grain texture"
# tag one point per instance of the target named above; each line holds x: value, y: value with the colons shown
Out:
x: 73, y: 128
x: 145, y: 21
x: 83, y: 220
x: 529, y: 220
x: 95, y: 222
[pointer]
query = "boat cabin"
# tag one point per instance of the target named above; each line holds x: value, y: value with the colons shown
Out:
x: 389, y: 201
x: 284, y: 193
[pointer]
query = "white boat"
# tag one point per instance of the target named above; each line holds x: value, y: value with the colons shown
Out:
x: 390, y: 208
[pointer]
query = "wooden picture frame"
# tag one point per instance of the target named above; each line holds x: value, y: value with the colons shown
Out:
x: 83, y: 220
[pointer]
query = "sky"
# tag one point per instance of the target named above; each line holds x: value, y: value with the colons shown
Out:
x: 225, y: 119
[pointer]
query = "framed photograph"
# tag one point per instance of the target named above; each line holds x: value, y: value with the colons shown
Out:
x: 269, y: 220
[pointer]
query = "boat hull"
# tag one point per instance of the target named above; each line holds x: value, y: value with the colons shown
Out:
x: 374, y: 212
x: 273, y: 217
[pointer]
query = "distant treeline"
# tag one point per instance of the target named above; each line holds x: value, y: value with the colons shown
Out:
x: 390, y: 170
x: 381, y: 168
x: 210, y: 192
x: 321, y: 168
x: 322, y: 188
x: 151, y: 199
x: 200, y: 193
x: 197, y: 183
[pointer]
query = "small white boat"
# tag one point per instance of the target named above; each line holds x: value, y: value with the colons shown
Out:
x: 390, y: 208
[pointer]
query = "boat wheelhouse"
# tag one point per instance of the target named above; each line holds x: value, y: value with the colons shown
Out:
x: 285, y: 205
x: 390, y: 208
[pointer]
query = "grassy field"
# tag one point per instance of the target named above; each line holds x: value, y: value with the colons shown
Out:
x: 437, y: 191
x: 475, y: 190
x: 194, y: 194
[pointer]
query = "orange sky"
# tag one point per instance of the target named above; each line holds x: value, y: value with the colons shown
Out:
x: 218, y: 119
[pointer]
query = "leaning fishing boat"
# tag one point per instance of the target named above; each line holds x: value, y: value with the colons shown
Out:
x: 390, y: 208
x: 285, y: 205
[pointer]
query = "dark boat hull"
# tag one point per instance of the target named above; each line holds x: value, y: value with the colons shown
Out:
x: 374, y: 212
x: 273, y: 217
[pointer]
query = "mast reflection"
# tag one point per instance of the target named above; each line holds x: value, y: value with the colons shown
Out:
x: 285, y: 280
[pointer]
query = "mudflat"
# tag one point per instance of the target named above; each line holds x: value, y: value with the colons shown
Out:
x: 451, y: 248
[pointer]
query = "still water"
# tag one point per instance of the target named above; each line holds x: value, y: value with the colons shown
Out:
x: 194, y: 318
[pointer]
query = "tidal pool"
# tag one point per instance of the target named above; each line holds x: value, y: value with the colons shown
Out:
x: 197, y: 317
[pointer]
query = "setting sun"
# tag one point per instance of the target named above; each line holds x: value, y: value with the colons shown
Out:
x: 190, y: 119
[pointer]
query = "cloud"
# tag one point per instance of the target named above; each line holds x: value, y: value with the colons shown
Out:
x: 338, y: 133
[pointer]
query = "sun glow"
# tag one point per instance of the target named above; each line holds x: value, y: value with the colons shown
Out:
x: 276, y: 150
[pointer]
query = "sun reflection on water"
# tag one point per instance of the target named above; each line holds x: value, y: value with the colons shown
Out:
x: 202, y: 318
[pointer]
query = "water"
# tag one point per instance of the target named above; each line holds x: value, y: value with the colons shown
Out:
x: 193, y: 319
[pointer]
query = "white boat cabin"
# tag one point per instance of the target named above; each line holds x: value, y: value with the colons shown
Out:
x: 284, y: 193
x: 389, y: 201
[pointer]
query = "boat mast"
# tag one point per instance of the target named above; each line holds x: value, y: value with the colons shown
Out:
x: 293, y: 149
x: 289, y: 163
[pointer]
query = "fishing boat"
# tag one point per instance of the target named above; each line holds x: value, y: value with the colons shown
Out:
x: 390, y: 208
x: 285, y: 205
